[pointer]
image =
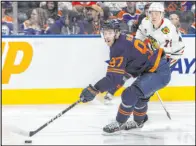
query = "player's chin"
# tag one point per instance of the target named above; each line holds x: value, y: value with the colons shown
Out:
x: 109, y: 43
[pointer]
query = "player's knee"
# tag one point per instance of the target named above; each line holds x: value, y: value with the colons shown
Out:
x: 130, y: 95
x: 165, y: 72
x: 167, y: 79
x: 141, y: 103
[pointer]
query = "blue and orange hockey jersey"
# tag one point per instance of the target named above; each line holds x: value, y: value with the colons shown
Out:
x: 128, y: 55
x: 7, y: 25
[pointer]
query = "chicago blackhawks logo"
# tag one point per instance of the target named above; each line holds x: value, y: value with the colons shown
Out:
x: 165, y: 30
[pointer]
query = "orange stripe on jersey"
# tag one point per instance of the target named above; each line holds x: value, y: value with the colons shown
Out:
x: 124, y: 112
x: 115, y: 71
x: 139, y: 114
x: 92, y: 91
x: 120, y: 71
x: 138, y: 12
x: 7, y: 19
x: 120, y: 14
x: 157, y: 60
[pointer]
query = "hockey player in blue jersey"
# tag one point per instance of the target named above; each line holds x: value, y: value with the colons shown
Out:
x: 130, y: 56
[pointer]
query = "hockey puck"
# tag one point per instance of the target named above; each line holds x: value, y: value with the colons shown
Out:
x: 28, y: 141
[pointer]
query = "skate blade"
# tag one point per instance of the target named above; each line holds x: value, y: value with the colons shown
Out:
x: 111, y: 134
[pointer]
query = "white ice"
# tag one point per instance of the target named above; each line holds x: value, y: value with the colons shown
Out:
x: 83, y: 125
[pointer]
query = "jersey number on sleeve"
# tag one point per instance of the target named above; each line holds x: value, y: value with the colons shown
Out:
x: 116, y: 61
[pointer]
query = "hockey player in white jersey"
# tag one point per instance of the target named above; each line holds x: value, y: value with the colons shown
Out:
x: 157, y: 32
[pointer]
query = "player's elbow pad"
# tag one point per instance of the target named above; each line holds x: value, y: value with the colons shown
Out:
x: 117, y: 81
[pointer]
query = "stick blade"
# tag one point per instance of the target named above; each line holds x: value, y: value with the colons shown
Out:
x: 20, y: 131
x: 31, y: 133
x: 168, y: 115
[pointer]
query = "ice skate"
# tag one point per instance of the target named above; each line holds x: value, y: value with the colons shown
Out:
x: 113, y: 128
x: 133, y: 124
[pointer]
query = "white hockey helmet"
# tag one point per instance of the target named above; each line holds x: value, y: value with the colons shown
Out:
x: 156, y: 6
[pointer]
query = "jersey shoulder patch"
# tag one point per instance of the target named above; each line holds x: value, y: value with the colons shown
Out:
x: 165, y: 30
x: 146, y: 18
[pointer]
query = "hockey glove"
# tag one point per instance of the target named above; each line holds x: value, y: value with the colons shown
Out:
x: 88, y: 94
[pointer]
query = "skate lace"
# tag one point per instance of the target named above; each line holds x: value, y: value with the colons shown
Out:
x: 113, y: 125
x: 131, y: 124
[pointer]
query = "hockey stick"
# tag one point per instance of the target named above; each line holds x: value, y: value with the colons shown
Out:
x: 31, y: 133
x: 168, y: 115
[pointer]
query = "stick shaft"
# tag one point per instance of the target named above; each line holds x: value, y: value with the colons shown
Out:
x: 54, y: 118
x: 168, y: 115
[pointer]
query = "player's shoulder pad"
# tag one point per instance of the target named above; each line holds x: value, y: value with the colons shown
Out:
x: 145, y: 20
x: 168, y: 27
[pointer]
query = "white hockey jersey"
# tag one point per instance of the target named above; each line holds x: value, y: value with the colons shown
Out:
x: 166, y: 37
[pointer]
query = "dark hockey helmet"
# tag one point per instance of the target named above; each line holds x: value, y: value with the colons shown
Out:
x: 111, y: 24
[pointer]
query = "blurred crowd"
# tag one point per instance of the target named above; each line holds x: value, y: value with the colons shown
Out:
x: 52, y: 17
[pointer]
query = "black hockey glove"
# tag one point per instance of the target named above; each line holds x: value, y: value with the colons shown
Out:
x: 88, y: 94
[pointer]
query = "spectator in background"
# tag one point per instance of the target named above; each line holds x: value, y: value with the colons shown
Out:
x: 62, y: 6
x: 7, y: 21
x: 115, y: 7
x: 129, y: 15
x: 175, y: 19
x: 171, y: 6
x: 188, y: 21
x: 92, y: 24
x: 191, y: 29
x: 25, y: 9
x: 187, y: 5
x: 67, y: 24
x: 52, y: 10
x: 143, y: 15
x: 107, y: 14
x: 140, y: 5
x: 36, y: 24
x: 79, y: 8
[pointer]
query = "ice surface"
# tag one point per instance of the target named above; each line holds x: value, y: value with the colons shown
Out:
x: 83, y: 125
